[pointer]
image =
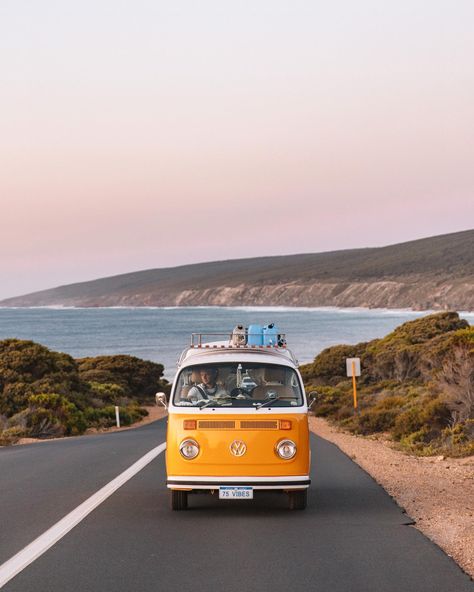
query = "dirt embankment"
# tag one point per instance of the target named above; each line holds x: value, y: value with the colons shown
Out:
x: 438, y: 493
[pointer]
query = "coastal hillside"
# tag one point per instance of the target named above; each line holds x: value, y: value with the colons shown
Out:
x: 417, y: 384
x: 430, y: 273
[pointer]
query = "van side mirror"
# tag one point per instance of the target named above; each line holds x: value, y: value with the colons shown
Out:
x: 313, y: 396
x: 160, y: 399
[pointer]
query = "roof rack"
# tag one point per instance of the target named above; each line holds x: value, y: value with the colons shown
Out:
x: 227, y: 346
x: 197, y: 341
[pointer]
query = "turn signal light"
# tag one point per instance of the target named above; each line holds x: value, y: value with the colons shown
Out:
x: 189, y: 424
x: 285, y: 424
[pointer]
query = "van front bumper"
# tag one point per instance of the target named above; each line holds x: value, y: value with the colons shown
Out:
x: 202, y: 482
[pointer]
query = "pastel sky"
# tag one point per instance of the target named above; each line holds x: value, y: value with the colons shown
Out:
x: 148, y: 133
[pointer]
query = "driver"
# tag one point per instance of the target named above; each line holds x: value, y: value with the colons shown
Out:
x: 208, y: 388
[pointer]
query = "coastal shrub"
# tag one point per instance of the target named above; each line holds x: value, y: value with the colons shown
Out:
x: 376, y: 420
x: 417, y: 384
x: 379, y: 389
x: 45, y: 393
x: 28, y: 368
x: 102, y: 417
x: 390, y: 402
x: 30, y: 361
x: 14, y: 397
x: 344, y: 412
x: 433, y: 414
x: 421, y: 330
x: 20, y: 419
x: 451, y: 363
x: 11, y: 435
x: 458, y: 440
x: 377, y: 417
x: 398, y: 362
x: 138, y: 378
x: 418, y: 442
x: 453, y: 441
x: 105, y: 416
x: 330, y: 365
x: 399, y: 355
x: 131, y: 414
x: 51, y: 414
x: 107, y: 392
x: 329, y: 400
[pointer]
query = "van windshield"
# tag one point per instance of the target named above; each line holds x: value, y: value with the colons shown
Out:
x: 235, y: 384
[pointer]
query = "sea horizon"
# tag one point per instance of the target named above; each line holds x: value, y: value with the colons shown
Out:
x: 160, y: 334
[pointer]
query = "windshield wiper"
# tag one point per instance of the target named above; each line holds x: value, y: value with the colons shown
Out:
x: 259, y: 405
x: 210, y: 402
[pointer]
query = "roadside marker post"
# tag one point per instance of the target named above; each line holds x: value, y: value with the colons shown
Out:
x: 353, y: 370
x: 117, y: 415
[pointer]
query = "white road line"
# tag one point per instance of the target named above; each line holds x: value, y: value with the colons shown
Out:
x: 31, y: 552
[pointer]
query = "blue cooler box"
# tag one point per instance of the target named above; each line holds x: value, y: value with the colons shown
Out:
x: 270, y: 335
x: 255, y: 335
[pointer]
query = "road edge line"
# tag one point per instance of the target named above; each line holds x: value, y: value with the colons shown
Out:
x: 50, y: 537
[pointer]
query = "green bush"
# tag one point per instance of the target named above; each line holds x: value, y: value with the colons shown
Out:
x: 400, y: 354
x: 107, y: 392
x: 330, y: 365
x: 53, y: 415
x: 28, y: 368
x: 45, y: 393
x: 11, y: 435
x: 455, y: 440
x: 105, y: 416
x: 377, y: 420
x: 433, y: 415
x: 138, y: 378
x: 416, y: 384
x: 390, y: 403
x: 329, y: 400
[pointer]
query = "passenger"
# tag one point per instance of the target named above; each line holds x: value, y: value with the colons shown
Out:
x: 208, y: 388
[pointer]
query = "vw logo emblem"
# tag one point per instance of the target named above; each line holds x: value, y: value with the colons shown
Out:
x: 238, y: 448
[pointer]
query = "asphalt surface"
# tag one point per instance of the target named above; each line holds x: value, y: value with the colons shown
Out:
x: 351, y: 538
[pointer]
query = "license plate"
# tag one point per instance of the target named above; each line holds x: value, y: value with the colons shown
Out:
x: 235, y: 492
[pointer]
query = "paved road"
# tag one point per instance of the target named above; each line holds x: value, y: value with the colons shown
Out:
x: 351, y: 538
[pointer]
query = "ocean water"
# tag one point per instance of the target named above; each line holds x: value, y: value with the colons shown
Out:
x: 160, y: 334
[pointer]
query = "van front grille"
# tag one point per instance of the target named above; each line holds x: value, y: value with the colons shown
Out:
x: 259, y: 425
x: 216, y: 425
x: 243, y: 425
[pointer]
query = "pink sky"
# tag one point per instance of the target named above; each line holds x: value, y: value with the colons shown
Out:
x: 155, y: 134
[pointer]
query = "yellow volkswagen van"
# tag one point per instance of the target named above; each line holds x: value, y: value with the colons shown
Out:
x: 238, y: 422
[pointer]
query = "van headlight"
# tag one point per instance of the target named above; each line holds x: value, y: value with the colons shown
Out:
x: 286, y: 449
x: 189, y: 449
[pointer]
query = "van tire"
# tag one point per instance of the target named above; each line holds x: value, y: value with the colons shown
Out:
x: 179, y: 500
x: 297, y: 499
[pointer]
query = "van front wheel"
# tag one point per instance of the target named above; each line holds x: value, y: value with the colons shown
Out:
x: 297, y: 499
x: 179, y: 500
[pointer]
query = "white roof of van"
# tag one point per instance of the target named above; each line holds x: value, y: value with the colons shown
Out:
x: 212, y: 353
